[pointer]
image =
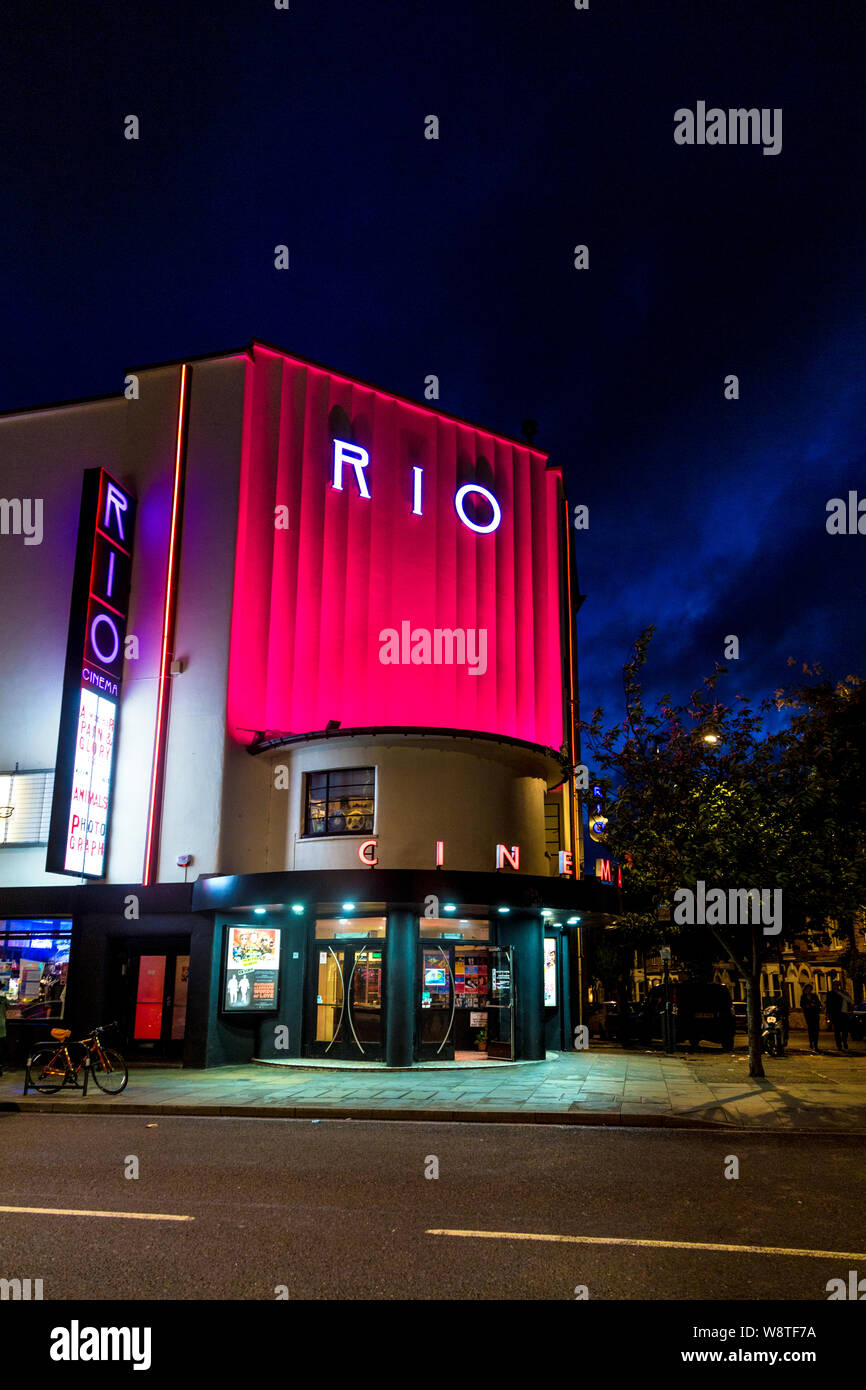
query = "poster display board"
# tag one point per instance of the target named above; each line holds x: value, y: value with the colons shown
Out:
x: 251, y: 973
x: 550, y: 972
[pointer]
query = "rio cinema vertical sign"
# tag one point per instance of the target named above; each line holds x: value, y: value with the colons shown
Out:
x: 81, y: 808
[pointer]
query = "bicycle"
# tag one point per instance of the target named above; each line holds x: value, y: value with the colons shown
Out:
x: 51, y: 1067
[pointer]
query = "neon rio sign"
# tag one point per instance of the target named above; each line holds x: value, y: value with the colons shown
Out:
x: 81, y: 806
x: 358, y: 459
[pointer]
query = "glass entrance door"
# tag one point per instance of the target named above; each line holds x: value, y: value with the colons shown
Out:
x: 437, y: 1003
x: 345, y: 1017
x: 500, y: 1003
x: 453, y: 1022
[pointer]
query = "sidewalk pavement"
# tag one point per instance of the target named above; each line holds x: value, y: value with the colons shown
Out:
x: 605, y: 1085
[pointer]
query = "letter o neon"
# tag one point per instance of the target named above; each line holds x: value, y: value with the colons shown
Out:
x: 458, y: 503
x: 103, y: 618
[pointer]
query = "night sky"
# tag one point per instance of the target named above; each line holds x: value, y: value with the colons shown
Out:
x: 455, y: 257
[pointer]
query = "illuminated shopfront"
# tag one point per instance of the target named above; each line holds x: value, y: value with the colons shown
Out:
x: 34, y: 961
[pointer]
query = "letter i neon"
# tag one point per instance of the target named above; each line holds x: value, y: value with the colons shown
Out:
x: 417, y: 473
x: 110, y: 585
x: 440, y: 853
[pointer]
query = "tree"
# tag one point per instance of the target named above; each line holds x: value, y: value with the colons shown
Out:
x: 704, y: 795
x: 824, y: 746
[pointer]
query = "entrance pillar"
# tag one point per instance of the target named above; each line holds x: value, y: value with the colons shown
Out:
x: 524, y: 931
x: 401, y: 954
x: 281, y: 1036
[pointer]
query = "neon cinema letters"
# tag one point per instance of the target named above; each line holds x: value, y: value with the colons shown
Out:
x: 356, y: 458
x: 505, y: 855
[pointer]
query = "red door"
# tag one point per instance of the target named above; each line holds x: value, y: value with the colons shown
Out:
x: 149, y: 999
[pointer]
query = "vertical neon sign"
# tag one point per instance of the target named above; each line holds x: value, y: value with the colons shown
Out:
x: 81, y: 808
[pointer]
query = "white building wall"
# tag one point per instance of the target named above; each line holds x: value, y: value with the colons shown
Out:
x: 151, y: 434
x: 198, y: 746
x: 43, y: 455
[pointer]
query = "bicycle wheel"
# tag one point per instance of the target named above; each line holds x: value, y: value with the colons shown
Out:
x: 44, y: 1072
x: 108, y: 1070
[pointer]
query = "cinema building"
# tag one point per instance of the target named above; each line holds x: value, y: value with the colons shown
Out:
x: 288, y: 746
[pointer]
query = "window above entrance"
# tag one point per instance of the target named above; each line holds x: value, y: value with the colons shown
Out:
x: 340, y: 802
x: 335, y: 927
x: 471, y: 928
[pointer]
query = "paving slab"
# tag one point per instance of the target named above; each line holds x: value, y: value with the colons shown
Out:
x: 601, y: 1086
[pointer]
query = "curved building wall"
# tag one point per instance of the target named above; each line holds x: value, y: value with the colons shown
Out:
x: 471, y: 794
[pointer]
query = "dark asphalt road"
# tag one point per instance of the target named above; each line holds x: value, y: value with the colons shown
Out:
x: 341, y: 1209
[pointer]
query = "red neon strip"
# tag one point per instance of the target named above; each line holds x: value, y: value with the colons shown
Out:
x: 168, y: 617
x: 401, y: 400
x: 96, y: 528
x: 111, y: 541
x: 572, y: 712
x: 98, y: 599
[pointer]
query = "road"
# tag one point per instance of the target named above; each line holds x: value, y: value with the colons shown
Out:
x: 343, y: 1210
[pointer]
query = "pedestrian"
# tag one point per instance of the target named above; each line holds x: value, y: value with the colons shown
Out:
x: 781, y: 1002
x: 2, y: 1030
x: 623, y: 1022
x: 838, y: 1008
x: 811, y: 1007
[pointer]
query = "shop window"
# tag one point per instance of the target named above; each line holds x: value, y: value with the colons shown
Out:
x: 34, y: 959
x: 333, y: 927
x: 473, y: 928
x: 25, y: 807
x: 340, y: 802
x: 471, y: 978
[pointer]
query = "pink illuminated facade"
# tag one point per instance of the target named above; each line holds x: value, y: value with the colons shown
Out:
x: 332, y: 557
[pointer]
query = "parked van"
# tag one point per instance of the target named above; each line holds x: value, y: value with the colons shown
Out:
x: 702, y: 1013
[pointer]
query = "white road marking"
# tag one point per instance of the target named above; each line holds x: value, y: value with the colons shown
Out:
x: 657, y: 1244
x: 122, y: 1215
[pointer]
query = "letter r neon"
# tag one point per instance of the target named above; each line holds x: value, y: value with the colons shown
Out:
x: 115, y: 500
x: 357, y: 458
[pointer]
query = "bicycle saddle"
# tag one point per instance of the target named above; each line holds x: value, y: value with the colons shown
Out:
x: 61, y: 1034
